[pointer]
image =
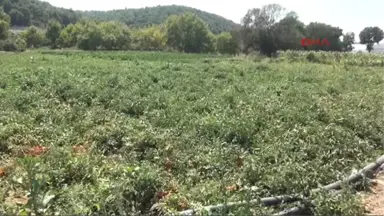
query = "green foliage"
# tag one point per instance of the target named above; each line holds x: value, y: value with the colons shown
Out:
x: 345, y: 203
x: 225, y: 43
x: 9, y: 41
x: 33, y: 36
x: 68, y: 36
x: 289, y: 31
x: 370, y: 36
x: 332, y: 58
x: 209, y: 46
x: 90, y: 36
x: 348, y: 41
x: 152, y: 123
x: 323, y: 31
x: 35, y: 12
x: 188, y: 33
x: 13, y: 43
x: 3, y: 16
x: 53, y: 32
x: 144, y: 17
x: 151, y: 38
x: 115, y: 36
x: 17, y: 17
x: 378, y: 34
x: 4, y: 24
x: 263, y: 30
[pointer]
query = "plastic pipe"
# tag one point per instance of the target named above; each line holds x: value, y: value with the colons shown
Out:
x: 292, y: 198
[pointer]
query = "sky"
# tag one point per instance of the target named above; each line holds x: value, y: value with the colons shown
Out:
x: 349, y: 15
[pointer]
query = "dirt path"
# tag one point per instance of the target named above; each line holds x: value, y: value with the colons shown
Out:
x: 374, y: 200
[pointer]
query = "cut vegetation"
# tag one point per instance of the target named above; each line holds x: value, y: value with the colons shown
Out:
x: 121, y: 133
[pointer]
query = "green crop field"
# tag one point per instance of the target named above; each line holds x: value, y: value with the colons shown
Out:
x: 118, y: 132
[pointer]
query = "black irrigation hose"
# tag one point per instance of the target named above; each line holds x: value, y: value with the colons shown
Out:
x: 268, y: 201
x: 367, y: 170
x: 301, y: 209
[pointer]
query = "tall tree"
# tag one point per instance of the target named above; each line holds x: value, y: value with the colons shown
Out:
x: 321, y: 31
x: 378, y: 34
x: 4, y: 24
x: 151, y: 38
x: 188, y: 33
x: 263, y: 18
x: 348, y: 41
x: 367, y: 36
x: 33, y: 36
x: 90, y: 36
x: 116, y: 35
x: 53, y: 32
x: 260, y: 26
x: 289, y: 32
x: 17, y: 17
x: 225, y: 43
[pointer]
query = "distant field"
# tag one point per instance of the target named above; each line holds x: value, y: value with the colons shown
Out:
x: 115, y: 133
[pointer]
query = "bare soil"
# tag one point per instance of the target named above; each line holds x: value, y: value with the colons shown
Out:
x: 374, y: 199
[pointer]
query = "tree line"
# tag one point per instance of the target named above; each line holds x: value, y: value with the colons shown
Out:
x: 143, y: 17
x: 183, y: 33
x: 272, y: 28
x: 265, y: 30
x: 37, y: 13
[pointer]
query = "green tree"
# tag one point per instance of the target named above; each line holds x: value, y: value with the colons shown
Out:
x: 115, y: 36
x: 90, y: 36
x: 260, y: 26
x: 289, y: 31
x: 348, y: 41
x: 13, y: 43
x: 378, y: 34
x: 144, y: 17
x: 53, y: 33
x: 151, y: 38
x: 225, y: 43
x: 33, y: 36
x: 321, y: 31
x: 247, y: 39
x: 17, y: 18
x: 368, y: 36
x: 68, y: 36
x: 38, y: 13
x: 209, y: 46
x: 4, y: 24
x: 188, y: 33
x: 263, y: 18
x: 7, y: 5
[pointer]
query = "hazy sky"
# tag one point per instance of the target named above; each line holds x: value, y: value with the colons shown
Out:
x: 349, y: 15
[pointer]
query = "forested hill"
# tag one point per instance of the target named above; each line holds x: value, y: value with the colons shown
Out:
x: 156, y: 15
x: 38, y: 13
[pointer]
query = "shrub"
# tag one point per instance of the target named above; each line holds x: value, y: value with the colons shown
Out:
x: 311, y: 57
x: 13, y: 44
x: 33, y: 36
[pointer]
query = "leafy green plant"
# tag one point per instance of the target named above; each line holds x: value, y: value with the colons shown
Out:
x: 129, y: 131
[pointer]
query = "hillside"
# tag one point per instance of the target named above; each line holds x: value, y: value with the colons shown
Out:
x: 38, y: 13
x: 156, y: 15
